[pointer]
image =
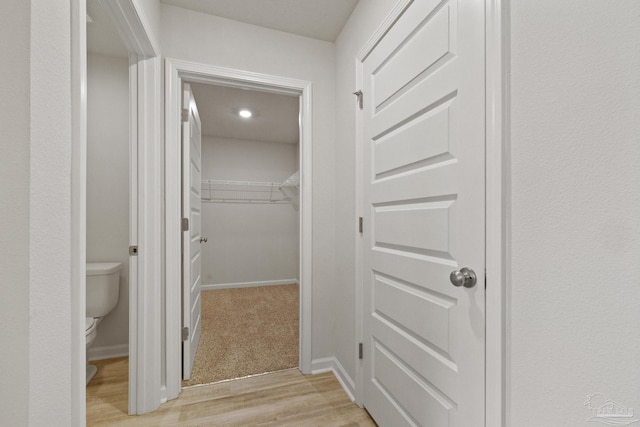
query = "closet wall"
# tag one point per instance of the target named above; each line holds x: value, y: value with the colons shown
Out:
x: 248, y: 242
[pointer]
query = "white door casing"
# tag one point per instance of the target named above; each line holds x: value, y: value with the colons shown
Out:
x: 145, y: 217
x: 133, y: 232
x: 176, y: 72
x: 191, y: 210
x: 423, y: 206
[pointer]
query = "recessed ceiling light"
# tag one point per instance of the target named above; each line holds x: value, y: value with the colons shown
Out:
x: 245, y: 113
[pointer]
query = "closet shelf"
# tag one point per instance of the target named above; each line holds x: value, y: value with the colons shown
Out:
x: 292, y: 181
x: 219, y: 191
x: 290, y: 189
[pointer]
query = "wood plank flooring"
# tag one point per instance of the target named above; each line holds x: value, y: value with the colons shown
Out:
x: 285, y: 398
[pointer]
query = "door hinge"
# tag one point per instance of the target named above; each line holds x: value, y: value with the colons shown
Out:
x: 133, y: 250
x: 361, y: 225
x: 185, y: 115
x: 360, y: 95
x: 185, y: 224
x: 360, y: 351
x: 185, y: 333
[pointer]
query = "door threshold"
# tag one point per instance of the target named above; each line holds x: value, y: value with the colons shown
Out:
x: 239, y: 378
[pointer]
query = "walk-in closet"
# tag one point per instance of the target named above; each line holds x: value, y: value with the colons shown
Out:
x: 250, y: 205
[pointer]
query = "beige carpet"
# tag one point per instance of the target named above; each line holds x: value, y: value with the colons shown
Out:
x: 246, y: 331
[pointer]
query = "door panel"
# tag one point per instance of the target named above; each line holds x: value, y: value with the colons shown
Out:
x: 420, y: 403
x: 416, y: 55
x: 419, y: 227
x: 191, y: 209
x: 423, y: 315
x: 405, y: 148
x: 423, y: 195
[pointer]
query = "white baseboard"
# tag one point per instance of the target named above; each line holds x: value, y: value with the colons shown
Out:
x: 320, y: 366
x: 331, y: 364
x: 249, y: 284
x: 108, y: 352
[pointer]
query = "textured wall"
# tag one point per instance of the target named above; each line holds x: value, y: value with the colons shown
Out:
x: 108, y: 182
x: 248, y: 242
x: 206, y: 39
x: 50, y: 340
x: 14, y: 211
x: 575, y: 297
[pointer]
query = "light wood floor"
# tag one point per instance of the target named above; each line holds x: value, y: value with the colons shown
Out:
x: 285, y: 398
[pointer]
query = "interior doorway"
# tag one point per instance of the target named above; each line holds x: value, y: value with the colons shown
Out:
x: 241, y: 299
x: 226, y: 80
x: 114, y: 25
x: 109, y: 270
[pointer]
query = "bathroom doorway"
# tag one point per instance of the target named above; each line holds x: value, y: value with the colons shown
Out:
x: 118, y: 23
x: 108, y: 205
x: 247, y: 318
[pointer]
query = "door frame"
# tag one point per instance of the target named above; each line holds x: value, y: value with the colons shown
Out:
x: 175, y: 72
x: 498, y: 211
x: 78, y: 190
x: 497, y: 199
x: 145, y: 210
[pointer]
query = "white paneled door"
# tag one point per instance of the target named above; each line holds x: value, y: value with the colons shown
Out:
x: 191, y: 211
x: 423, y: 193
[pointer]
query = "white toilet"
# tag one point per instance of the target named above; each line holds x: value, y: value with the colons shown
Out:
x: 103, y: 287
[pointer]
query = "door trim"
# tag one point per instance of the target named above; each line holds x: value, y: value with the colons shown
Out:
x: 145, y: 360
x: 497, y: 201
x: 78, y: 223
x: 145, y: 219
x: 497, y: 217
x: 133, y: 26
x: 175, y: 72
x: 390, y: 19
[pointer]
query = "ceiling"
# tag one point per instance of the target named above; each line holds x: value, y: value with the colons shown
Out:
x: 275, y: 116
x: 318, y: 19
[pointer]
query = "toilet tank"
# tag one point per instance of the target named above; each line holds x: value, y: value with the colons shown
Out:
x: 103, y: 287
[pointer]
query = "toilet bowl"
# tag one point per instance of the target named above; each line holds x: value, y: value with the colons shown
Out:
x: 91, y: 332
x: 103, y: 288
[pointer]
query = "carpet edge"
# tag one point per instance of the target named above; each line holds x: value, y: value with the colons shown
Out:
x: 211, y: 287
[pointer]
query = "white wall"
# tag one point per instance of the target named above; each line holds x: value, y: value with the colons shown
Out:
x: 365, y: 19
x: 575, y: 296
x: 248, y: 242
x: 207, y: 39
x: 108, y: 183
x: 14, y: 211
x: 39, y: 159
x: 50, y: 340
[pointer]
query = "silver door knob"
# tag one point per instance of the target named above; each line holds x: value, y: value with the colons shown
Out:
x: 203, y: 239
x: 464, y: 277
